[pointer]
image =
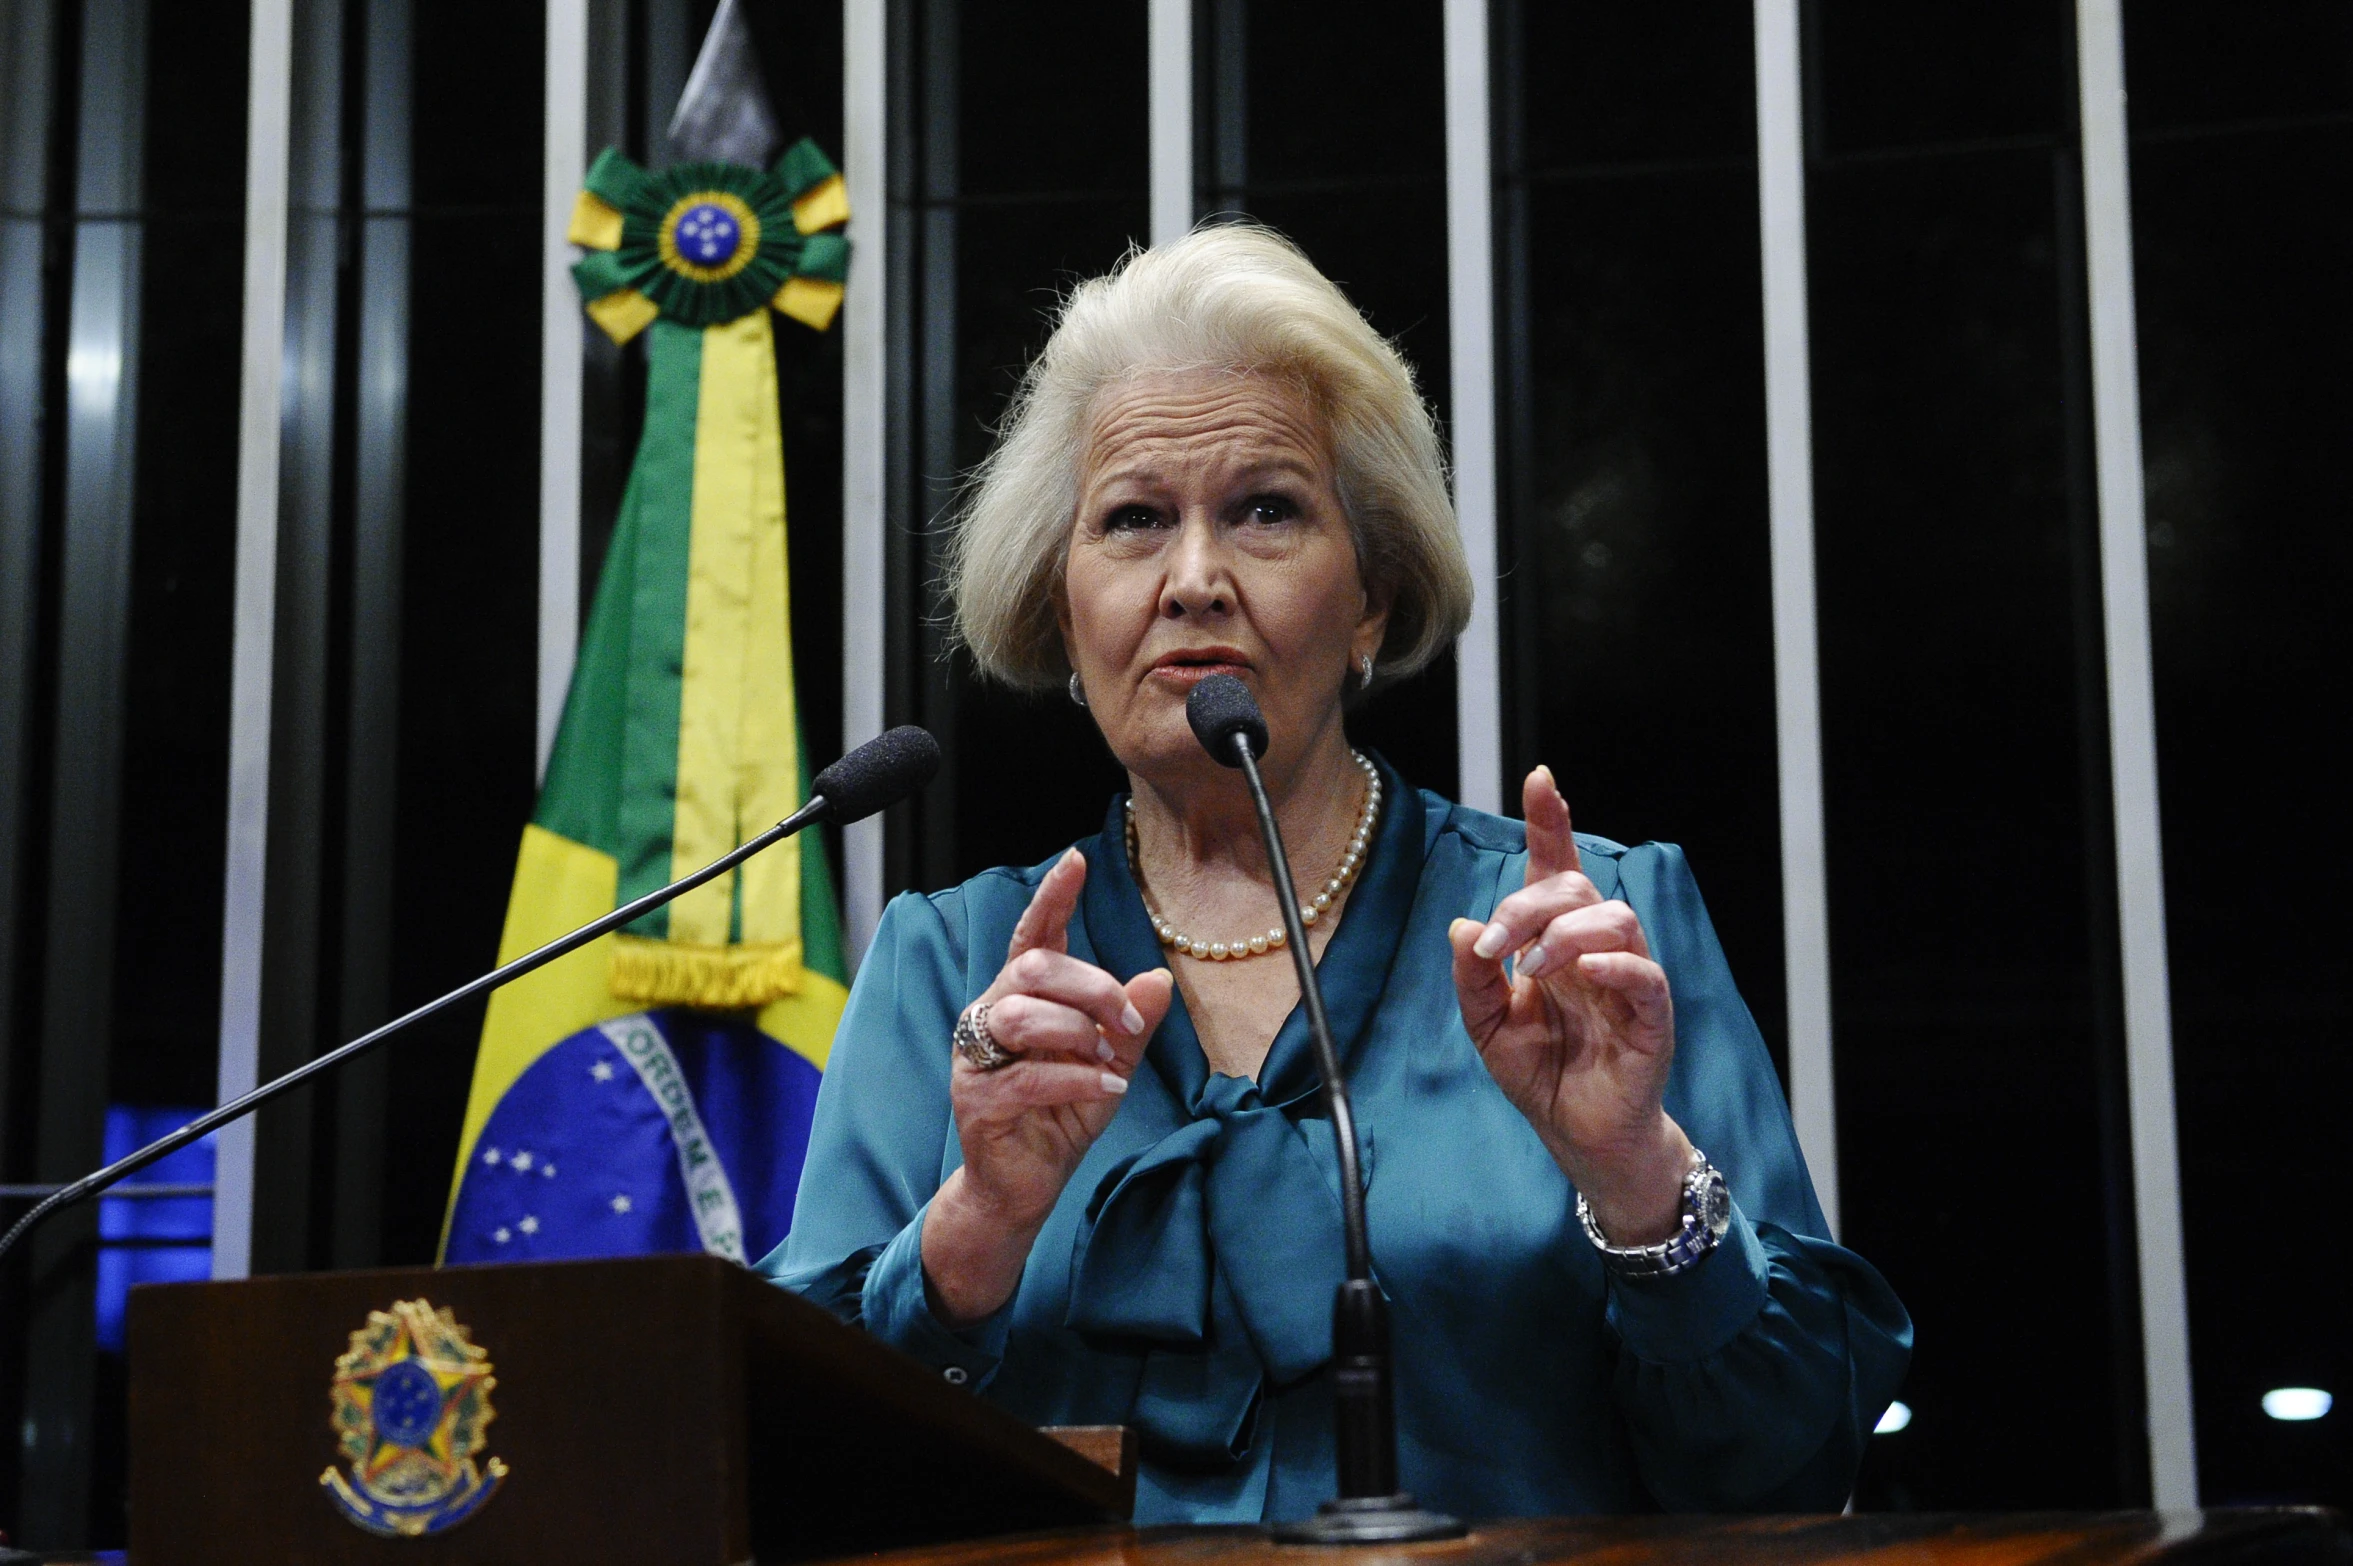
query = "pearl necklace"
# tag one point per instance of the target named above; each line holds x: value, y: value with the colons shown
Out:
x: 1351, y: 861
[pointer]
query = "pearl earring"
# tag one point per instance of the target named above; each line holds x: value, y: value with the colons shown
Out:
x: 1078, y: 692
x: 1367, y: 666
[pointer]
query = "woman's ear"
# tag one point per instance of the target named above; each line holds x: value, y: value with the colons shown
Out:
x: 1062, y: 623
x: 1372, y: 628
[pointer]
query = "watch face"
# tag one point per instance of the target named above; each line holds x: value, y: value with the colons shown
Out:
x: 1715, y: 1204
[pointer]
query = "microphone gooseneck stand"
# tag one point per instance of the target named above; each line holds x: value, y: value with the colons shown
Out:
x: 1370, y: 1508
x: 876, y: 774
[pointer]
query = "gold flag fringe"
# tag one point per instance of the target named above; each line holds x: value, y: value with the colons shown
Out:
x: 714, y: 978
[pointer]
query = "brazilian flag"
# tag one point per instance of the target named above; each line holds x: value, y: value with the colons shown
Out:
x: 652, y: 1091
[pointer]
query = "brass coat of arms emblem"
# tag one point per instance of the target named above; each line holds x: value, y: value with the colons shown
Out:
x: 411, y: 1400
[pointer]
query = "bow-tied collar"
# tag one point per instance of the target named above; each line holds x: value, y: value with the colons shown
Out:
x: 1216, y: 1249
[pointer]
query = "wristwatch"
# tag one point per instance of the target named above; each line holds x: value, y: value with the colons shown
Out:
x: 1707, y: 1213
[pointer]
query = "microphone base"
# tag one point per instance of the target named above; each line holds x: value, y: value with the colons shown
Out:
x: 1372, y: 1519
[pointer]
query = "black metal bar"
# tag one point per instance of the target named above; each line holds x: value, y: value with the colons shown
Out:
x: 1327, y: 1058
x: 1370, y: 1507
x: 377, y: 502
x: 96, y: 414
x: 128, y: 1193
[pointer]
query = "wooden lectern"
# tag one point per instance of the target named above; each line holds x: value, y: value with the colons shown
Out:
x: 678, y: 1411
x: 2280, y: 1536
x: 663, y: 1409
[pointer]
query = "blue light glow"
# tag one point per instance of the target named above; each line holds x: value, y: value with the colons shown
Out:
x: 151, y: 1239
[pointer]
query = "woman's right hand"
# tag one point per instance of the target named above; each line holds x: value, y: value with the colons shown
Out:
x: 1078, y: 1034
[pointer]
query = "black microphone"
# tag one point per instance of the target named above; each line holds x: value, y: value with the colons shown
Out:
x: 1222, y: 710
x: 1370, y: 1509
x: 879, y: 773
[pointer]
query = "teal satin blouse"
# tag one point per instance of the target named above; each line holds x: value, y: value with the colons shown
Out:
x: 1184, y: 1283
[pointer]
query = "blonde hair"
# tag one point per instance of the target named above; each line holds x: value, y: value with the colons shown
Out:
x: 1237, y: 298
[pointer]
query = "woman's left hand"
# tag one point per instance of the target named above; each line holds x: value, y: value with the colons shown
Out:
x: 1581, y: 1037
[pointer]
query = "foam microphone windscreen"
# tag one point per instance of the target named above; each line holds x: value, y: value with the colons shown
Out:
x: 878, y: 774
x: 1220, y: 708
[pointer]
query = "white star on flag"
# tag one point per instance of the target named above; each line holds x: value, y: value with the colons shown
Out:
x: 491, y: 1157
x: 620, y: 1204
x: 529, y: 1225
x: 522, y: 1161
x: 502, y: 1235
x: 602, y: 1071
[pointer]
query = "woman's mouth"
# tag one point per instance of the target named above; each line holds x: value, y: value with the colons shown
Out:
x: 1191, y: 666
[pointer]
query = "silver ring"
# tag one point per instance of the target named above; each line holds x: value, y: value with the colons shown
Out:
x: 976, y: 1043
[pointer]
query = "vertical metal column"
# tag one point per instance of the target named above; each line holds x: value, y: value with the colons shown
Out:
x: 379, y: 520
x: 293, y: 907
x: 1171, y: 73
x: 564, y: 162
x: 1229, y: 99
x: 865, y: 149
x: 2132, y: 743
x: 253, y: 645
x: 939, y: 183
x: 1789, y: 457
x: 1515, y: 381
x: 1470, y: 309
x: 671, y: 44
x: 93, y: 631
x: 27, y: 39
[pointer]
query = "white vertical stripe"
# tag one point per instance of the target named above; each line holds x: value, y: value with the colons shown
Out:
x: 2132, y: 746
x: 1789, y: 461
x: 1171, y: 71
x: 560, y: 326
x: 1470, y: 318
x: 865, y: 147
x: 254, y: 638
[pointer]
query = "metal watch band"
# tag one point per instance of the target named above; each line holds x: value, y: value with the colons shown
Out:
x: 1707, y: 1213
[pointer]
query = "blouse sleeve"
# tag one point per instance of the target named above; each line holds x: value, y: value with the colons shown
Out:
x: 877, y: 1146
x: 1752, y: 1381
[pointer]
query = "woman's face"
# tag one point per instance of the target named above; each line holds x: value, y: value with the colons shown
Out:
x: 1209, y: 539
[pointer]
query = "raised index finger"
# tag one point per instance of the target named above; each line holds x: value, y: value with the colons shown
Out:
x: 1552, y: 846
x: 1045, y: 923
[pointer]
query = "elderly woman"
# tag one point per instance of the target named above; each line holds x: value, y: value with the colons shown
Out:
x: 1071, y: 1148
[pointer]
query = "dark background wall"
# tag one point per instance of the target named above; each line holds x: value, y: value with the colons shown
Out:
x: 2242, y: 127
x: 1964, y: 737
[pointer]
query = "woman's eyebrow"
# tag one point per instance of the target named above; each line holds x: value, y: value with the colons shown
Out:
x: 1122, y: 487
x: 1277, y: 467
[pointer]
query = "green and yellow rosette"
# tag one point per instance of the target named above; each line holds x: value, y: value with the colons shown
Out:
x: 680, y: 738
x: 702, y: 244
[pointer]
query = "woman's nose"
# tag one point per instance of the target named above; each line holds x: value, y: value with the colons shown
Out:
x: 1200, y: 579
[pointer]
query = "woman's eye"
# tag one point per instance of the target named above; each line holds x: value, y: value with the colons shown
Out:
x: 1128, y: 519
x: 1268, y: 509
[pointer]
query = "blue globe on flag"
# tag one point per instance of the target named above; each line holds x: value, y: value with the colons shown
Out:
x: 666, y: 1130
